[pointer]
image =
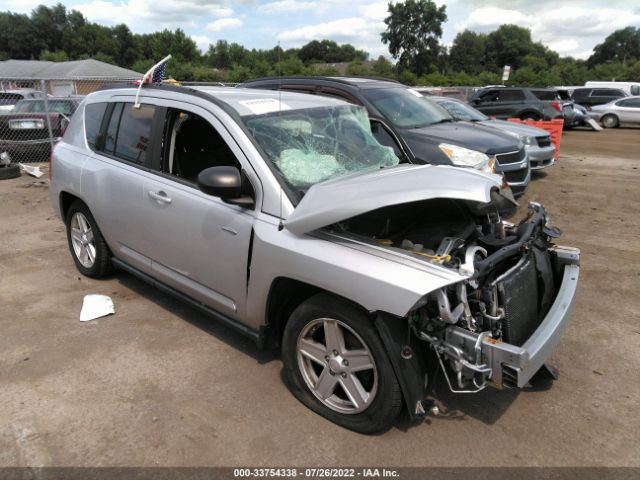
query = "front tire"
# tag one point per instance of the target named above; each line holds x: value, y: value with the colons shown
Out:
x: 335, y: 364
x: 610, y: 121
x: 89, y: 250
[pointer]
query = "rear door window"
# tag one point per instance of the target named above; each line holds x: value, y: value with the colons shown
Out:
x: 546, y: 95
x: 630, y: 103
x: 511, y: 95
x: 134, y: 132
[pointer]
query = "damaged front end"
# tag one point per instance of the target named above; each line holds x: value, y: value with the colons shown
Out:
x: 499, y: 324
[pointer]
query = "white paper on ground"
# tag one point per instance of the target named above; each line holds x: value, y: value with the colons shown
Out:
x: 96, y: 306
x: 593, y: 124
x: 33, y: 171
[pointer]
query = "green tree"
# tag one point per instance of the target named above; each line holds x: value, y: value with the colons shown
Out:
x: 18, y: 37
x: 59, y: 56
x: 407, y: 77
x: 508, y: 45
x: 358, y: 69
x: 383, y: 68
x: 468, y: 52
x: 414, y: 28
x: 621, y: 46
x: 328, y: 51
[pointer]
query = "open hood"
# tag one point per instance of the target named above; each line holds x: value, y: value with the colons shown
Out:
x: 345, y: 197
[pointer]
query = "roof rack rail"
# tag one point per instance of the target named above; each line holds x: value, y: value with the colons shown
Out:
x: 335, y: 78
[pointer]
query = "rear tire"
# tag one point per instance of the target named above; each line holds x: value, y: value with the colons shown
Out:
x: 10, y: 171
x: 352, y: 384
x: 89, y: 250
x: 529, y: 116
x: 610, y: 121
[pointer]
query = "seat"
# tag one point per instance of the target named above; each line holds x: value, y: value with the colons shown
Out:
x: 199, y: 146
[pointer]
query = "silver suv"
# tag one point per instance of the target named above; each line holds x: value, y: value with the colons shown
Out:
x: 280, y: 215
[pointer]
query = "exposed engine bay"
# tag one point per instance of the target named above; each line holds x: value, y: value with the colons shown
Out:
x: 511, y: 279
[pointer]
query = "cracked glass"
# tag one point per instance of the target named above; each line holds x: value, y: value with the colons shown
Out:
x: 317, y: 144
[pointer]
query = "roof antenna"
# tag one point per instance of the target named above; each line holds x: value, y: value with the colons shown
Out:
x: 280, y: 223
x: 149, y: 77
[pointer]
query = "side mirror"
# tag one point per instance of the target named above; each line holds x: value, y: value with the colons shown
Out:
x: 225, y: 183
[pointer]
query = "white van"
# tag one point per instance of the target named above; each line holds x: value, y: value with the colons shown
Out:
x: 630, y: 88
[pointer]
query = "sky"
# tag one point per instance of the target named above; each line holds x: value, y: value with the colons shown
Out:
x: 570, y: 27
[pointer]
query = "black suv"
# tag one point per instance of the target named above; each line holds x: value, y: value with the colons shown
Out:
x: 417, y: 129
x: 589, y: 96
x: 517, y: 102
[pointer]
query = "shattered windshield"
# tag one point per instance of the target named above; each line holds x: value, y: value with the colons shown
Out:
x: 406, y: 108
x: 316, y: 144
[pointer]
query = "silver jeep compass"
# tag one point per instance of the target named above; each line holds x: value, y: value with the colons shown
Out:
x: 281, y: 216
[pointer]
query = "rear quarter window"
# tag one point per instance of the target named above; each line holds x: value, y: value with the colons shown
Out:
x: 93, y: 115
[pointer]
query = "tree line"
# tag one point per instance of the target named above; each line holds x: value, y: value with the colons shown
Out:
x: 413, y: 33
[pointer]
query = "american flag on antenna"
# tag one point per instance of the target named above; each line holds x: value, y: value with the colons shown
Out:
x: 158, y: 73
x: 154, y: 75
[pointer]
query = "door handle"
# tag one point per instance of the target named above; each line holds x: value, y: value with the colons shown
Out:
x: 160, y: 196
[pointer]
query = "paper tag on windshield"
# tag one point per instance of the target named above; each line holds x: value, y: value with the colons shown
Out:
x: 414, y: 92
x: 258, y: 106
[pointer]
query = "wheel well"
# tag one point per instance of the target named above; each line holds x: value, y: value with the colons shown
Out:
x: 285, y: 295
x: 529, y: 112
x: 66, y: 199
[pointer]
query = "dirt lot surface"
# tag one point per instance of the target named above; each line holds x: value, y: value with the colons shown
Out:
x: 160, y: 384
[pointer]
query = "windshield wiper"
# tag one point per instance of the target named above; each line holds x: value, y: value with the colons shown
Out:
x: 444, y: 120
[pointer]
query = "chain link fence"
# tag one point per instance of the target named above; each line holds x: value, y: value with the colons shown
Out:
x: 34, y: 113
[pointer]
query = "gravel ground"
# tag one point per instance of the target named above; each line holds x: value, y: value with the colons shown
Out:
x: 160, y: 384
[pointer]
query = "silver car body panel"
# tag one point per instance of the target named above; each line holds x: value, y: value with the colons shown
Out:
x: 345, y: 197
x: 626, y: 115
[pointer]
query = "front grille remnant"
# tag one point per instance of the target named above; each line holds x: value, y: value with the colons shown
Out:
x: 511, y: 157
x: 519, y: 291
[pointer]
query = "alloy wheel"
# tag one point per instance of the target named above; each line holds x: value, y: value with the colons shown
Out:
x: 82, y: 240
x: 337, y: 365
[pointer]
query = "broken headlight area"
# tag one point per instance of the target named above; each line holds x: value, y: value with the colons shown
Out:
x: 511, y: 279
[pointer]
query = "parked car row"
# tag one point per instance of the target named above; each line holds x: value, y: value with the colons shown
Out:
x: 356, y: 227
x: 417, y: 129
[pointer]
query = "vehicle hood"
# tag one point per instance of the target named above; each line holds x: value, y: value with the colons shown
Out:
x: 345, y: 197
x: 464, y: 134
x: 514, y: 127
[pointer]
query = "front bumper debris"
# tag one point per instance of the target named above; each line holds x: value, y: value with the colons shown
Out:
x: 513, y: 366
